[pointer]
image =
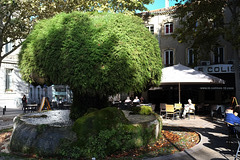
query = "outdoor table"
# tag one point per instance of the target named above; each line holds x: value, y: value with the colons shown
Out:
x: 139, y: 105
x: 145, y: 104
x: 67, y: 106
x: 30, y: 107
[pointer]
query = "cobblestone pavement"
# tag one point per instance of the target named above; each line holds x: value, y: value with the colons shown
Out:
x: 6, y: 120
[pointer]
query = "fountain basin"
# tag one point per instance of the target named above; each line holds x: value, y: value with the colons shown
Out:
x: 41, y: 133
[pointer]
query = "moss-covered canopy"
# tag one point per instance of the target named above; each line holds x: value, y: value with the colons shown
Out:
x: 95, y: 53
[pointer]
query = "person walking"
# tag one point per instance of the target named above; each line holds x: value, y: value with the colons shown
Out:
x: 24, y: 102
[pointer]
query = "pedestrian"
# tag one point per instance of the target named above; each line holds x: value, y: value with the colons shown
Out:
x: 24, y: 102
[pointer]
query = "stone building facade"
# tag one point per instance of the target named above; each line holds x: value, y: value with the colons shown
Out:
x: 162, y: 24
x: 12, y: 87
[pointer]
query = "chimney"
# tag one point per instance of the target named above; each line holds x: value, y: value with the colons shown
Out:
x: 166, y: 3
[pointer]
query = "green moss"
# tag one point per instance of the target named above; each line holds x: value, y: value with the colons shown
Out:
x: 90, y: 124
x: 26, y: 149
x: 104, y: 132
x: 41, y: 128
x: 145, y: 110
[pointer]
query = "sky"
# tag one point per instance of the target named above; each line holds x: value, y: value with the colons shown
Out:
x: 160, y: 4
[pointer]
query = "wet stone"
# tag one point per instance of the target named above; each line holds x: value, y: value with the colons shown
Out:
x: 41, y: 133
x: 57, y: 118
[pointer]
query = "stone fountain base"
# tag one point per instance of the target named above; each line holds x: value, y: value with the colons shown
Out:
x: 41, y: 133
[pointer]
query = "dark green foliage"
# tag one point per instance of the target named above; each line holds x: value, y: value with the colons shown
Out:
x: 99, y: 53
x: 105, y: 132
x: 208, y: 24
x: 91, y: 124
x: 96, y: 54
x: 135, y: 110
x: 91, y: 110
x: 82, y: 103
x: 110, y: 141
x: 204, y: 22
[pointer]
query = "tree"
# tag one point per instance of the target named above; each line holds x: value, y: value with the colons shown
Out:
x: 204, y: 24
x: 17, y: 17
x: 96, y: 54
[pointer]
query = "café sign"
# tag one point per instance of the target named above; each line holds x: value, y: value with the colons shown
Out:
x: 218, y: 68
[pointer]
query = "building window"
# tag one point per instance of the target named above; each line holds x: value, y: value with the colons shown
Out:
x: 168, y: 28
x: 8, y: 47
x: 190, y: 56
x: 9, y: 83
x: 218, y: 55
x: 168, y: 57
x: 151, y: 29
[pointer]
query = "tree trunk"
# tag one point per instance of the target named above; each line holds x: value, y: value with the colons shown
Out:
x: 82, y: 102
x: 237, y: 76
x: 235, y: 24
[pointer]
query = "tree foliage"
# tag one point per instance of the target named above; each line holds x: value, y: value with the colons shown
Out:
x: 17, y: 17
x: 204, y: 23
x: 94, y: 53
x: 201, y: 23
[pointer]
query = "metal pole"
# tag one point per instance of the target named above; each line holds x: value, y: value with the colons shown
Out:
x: 179, y: 93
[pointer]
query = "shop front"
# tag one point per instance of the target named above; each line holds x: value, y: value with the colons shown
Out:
x: 219, y: 94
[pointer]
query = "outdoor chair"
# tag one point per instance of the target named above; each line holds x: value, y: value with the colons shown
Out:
x: 170, y: 110
x: 162, y: 108
x: 178, y: 107
x: 238, y: 141
x: 127, y: 105
x: 134, y: 104
x: 231, y: 133
x: 191, y: 111
x: 218, y: 111
x: 236, y: 130
x: 153, y: 107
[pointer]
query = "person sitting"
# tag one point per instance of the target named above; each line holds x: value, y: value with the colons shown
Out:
x: 136, y: 100
x: 232, y: 116
x: 188, y: 107
x: 128, y: 100
x: 142, y: 100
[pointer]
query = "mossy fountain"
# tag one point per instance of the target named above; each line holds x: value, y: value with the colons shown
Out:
x: 43, y: 133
